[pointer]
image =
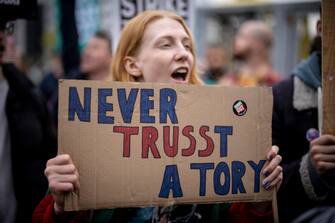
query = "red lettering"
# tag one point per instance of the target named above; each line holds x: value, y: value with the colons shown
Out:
x: 149, y: 138
x: 191, y: 149
x: 210, y: 144
x: 170, y: 151
x: 127, y: 132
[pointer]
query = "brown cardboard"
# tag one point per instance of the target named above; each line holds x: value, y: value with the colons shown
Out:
x: 109, y: 180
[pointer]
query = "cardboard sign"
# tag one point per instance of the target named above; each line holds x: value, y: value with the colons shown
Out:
x: 142, y: 144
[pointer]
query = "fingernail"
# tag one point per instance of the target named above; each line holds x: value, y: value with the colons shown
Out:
x: 266, y: 184
x: 266, y: 174
x: 268, y: 187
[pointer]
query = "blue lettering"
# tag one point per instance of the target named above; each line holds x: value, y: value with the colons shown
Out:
x: 224, y: 132
x: 168, y: 100
x: 75, y: 107
x: 103, y: 106
x: 127, y: 105
x: 238, y: 171
x: 257, y: 169
x: 146, y: 105
x: 220, y: 189
x: 203, y: 167
x: 171, y: 182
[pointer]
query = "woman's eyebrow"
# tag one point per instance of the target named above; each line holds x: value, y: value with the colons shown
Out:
x: 170, y: 37
x: 186, y: 39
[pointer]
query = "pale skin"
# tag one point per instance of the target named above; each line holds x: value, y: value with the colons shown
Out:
x: 164, y: 50
x: 96, y: 58
x: 254, y: 50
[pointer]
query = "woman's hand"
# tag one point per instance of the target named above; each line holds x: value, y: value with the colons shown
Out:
x: 322, y: 154
x: 273, y: 172
x: 63, y: 178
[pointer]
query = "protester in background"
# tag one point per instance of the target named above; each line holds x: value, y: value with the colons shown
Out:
x: 252, y: 55
x: 155, y: 46
x: 96, y: 58
x: 49, y: 84
x: 215, y: 64
x: 324, y: 214
x: 27, y: 139
x: 308, y: 161
x: 95, y: 65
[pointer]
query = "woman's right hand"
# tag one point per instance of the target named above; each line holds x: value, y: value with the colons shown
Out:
x: 63, y: 178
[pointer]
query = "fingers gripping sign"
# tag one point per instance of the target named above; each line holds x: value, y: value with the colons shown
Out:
x: 322, y: 153
x: 63, y: 178
x: 273, y: 172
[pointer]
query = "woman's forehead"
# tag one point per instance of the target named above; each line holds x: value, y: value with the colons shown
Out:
x: 164, y: 27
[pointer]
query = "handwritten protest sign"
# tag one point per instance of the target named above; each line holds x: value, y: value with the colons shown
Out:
x: 140, y: 144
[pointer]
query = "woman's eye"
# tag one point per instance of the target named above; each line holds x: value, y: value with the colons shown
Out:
x: 166, y: 45
x: 187, y: 46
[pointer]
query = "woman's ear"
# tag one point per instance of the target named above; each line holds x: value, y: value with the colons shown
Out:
x: 132, y: 67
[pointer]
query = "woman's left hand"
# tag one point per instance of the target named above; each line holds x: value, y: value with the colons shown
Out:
x: 273, y: 172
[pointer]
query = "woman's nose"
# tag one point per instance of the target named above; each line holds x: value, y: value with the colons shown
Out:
x: 181, y: 54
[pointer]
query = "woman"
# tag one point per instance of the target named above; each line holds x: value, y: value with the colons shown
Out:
x: 155, y: 46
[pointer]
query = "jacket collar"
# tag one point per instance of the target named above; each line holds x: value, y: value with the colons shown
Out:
x: 304, y: 96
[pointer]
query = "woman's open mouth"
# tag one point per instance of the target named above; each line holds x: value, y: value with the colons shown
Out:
x: 180, y: 74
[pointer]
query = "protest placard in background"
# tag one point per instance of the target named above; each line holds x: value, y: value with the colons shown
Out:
x: 141, y: 144
x: 18, y: 9
x: 124, y: 10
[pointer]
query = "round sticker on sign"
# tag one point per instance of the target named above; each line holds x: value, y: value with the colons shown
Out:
x: 240, y: 108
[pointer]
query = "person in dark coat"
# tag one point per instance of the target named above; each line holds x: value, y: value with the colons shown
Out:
x: 27, y: 140
x: 308, y: 161
x: 317, y: 215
